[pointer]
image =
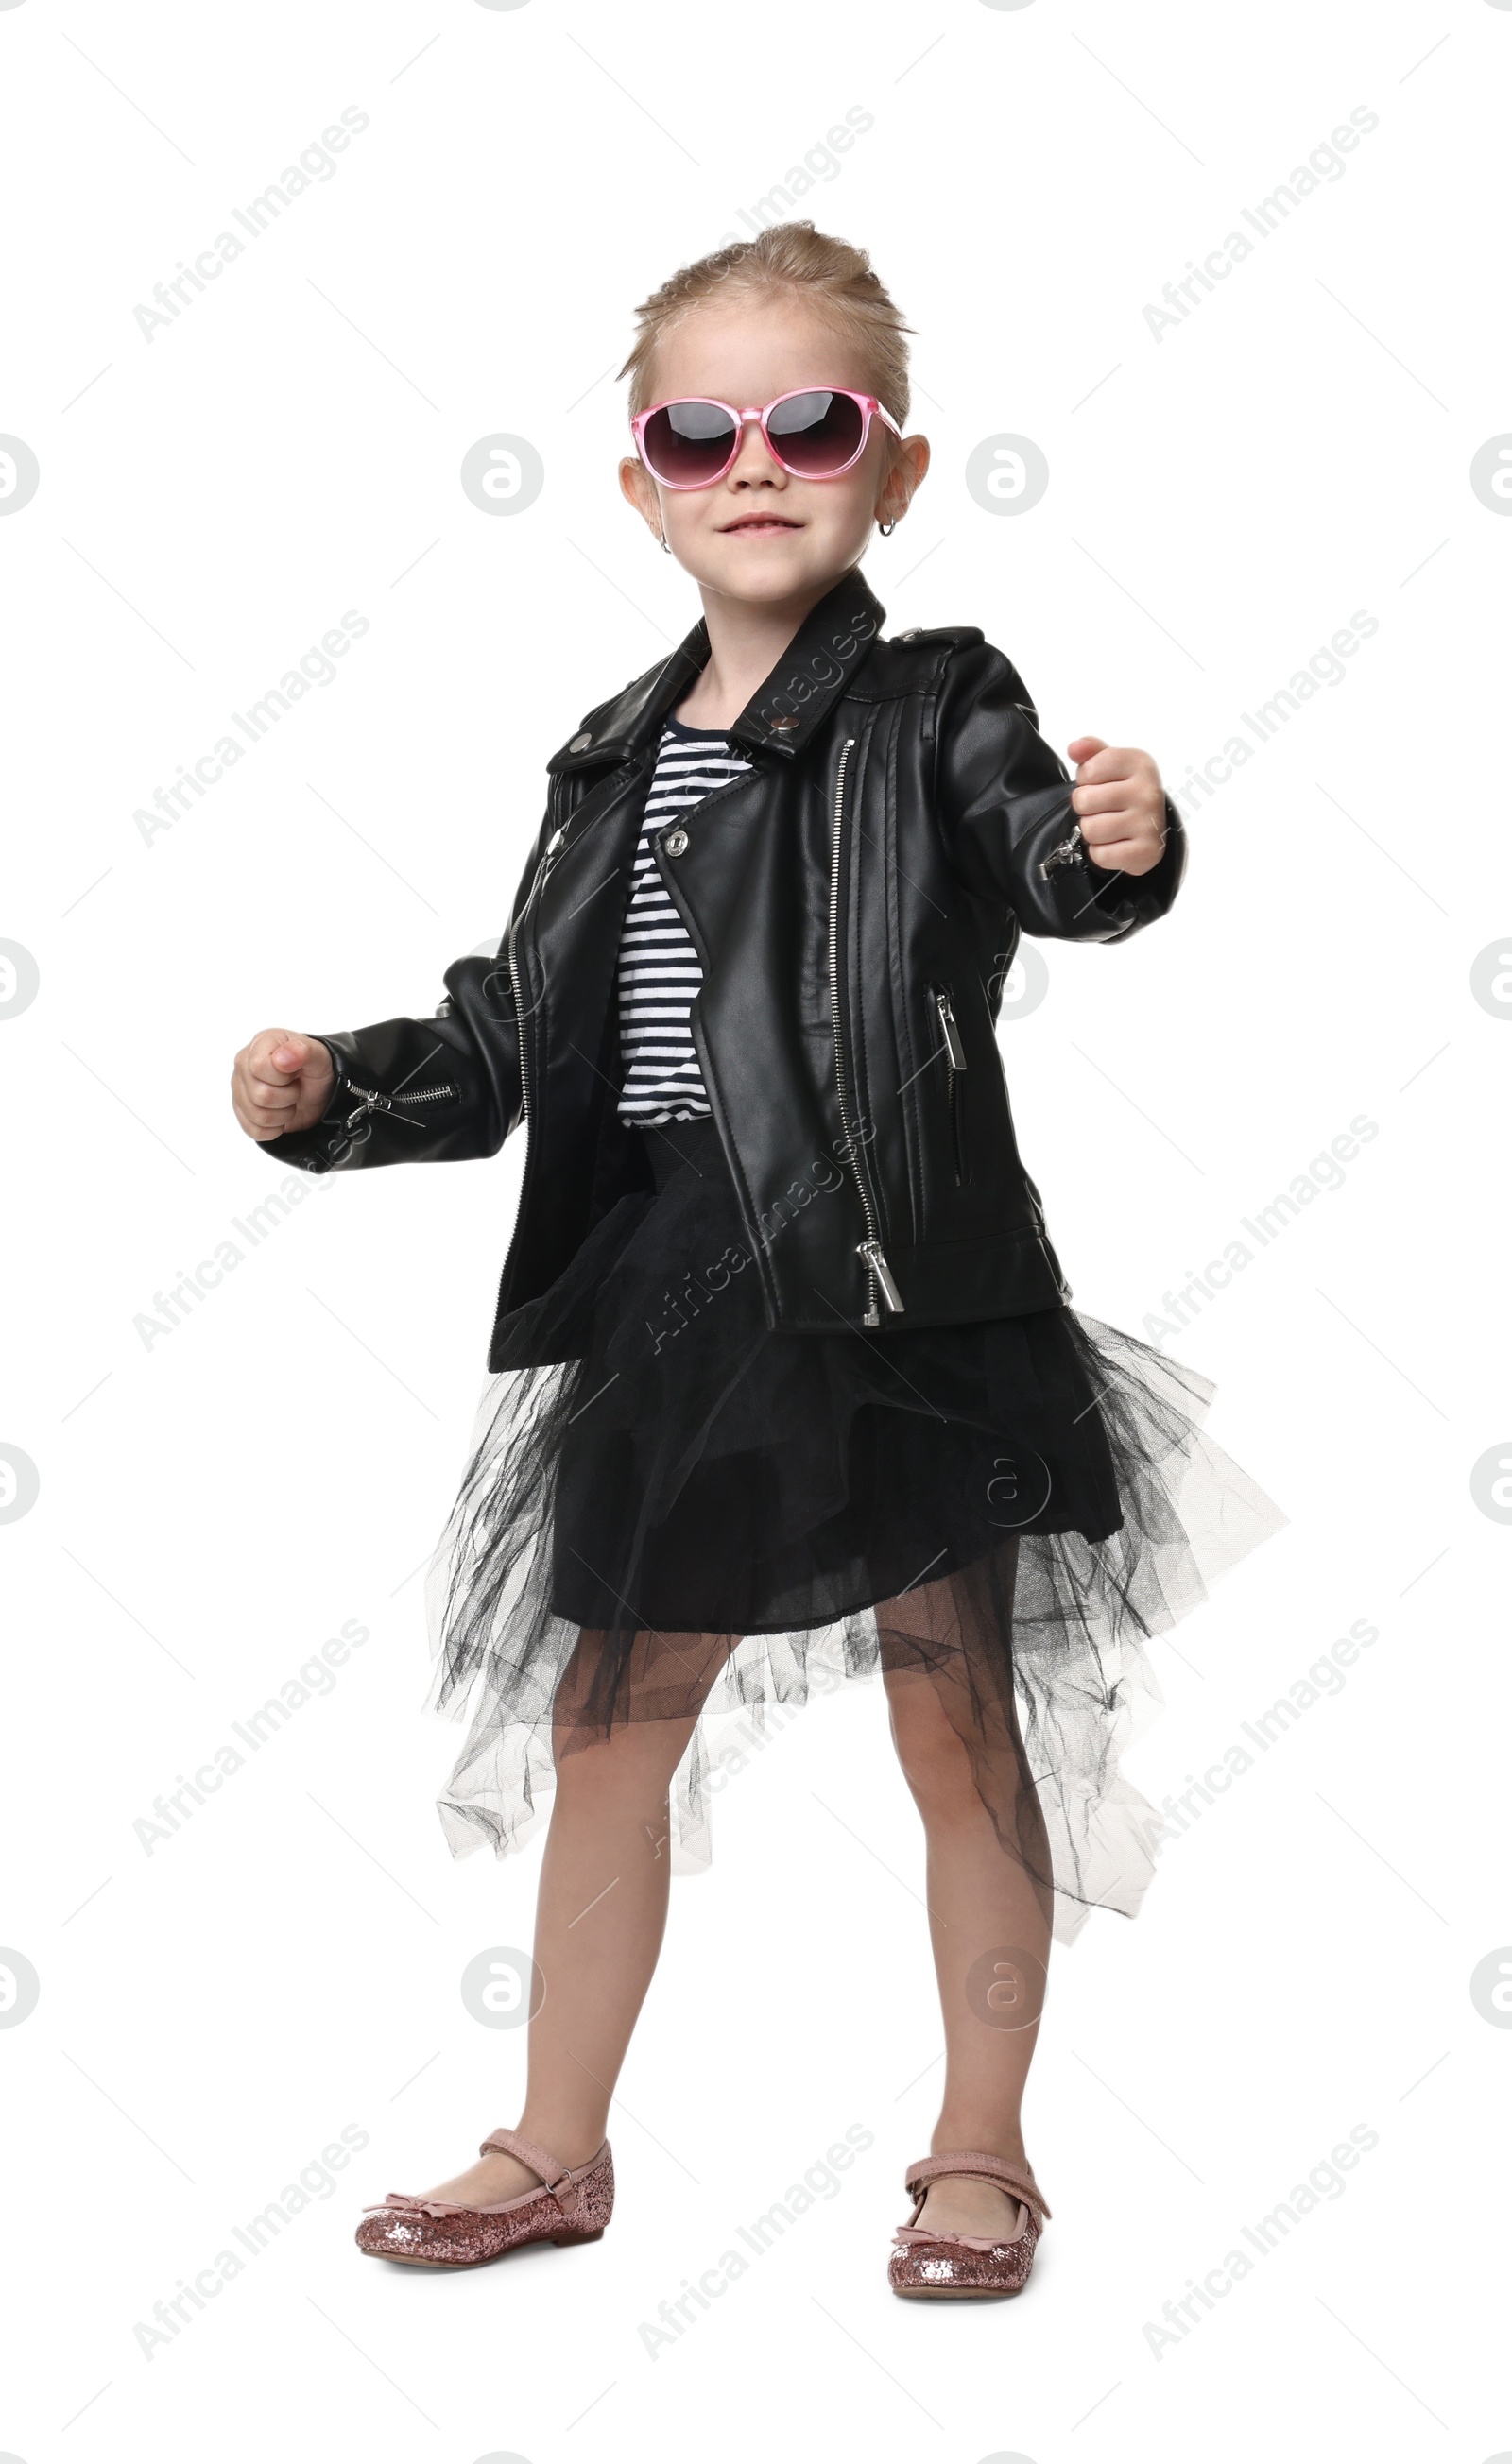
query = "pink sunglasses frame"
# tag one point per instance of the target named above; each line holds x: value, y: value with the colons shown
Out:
x: 870, y: 407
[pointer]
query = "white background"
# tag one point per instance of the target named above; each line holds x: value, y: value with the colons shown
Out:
x: 215, y: 1504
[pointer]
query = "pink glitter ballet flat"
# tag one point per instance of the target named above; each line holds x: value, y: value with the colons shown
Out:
x: 571, y: 2203
x: 950, y: 2266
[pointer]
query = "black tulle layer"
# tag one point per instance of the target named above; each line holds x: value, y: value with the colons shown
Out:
x: 671, y: 1512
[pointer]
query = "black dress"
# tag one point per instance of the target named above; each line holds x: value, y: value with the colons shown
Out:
x: 671, y: 1511
x: 737, y: 1515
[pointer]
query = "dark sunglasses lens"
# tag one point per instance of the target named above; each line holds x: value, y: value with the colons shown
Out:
x: 816, y: 433
x: 687, y: 443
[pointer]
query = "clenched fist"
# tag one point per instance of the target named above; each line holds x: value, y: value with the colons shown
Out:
x: 280, y: 1082
x: 1120, y: 805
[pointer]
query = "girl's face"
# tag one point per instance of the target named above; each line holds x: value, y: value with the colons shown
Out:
x: 759, y: 533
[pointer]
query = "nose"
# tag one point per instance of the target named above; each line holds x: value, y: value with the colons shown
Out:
x: 754, y: 464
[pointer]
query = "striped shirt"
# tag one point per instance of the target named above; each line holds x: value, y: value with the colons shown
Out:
x: 658, y: 966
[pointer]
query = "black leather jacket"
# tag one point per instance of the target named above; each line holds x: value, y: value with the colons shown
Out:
x: 855, y: 900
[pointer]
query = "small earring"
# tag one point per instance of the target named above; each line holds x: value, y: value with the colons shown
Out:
x: 887, y: 528
x: 661, y: 540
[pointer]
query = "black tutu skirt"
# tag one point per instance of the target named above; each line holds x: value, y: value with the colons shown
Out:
x: 671, y: 1512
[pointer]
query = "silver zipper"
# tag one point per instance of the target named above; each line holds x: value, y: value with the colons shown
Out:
x: 952, y: 1033
x: 955, y: 1063
x: 374, y: 1101
x: 547, y: 859
x: 871, y: 1248
x: 1066, y: 850
x: 871, y: 1252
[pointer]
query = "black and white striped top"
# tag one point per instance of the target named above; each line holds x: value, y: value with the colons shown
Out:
x: 658, y: 966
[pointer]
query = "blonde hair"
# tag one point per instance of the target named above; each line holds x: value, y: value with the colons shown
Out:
x: 785, y: 257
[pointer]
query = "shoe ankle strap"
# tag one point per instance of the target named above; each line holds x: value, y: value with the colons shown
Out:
x: 978, y: 2166
x: 556, y: 2176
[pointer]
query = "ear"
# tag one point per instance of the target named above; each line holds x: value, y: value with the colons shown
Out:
x: 911, y: 460
x: 639, y: 489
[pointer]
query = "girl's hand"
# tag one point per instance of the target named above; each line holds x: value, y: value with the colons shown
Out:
x: 1121, y: 803
x: 280, y: 1082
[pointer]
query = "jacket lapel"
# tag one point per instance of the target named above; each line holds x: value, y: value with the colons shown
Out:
x: 570, y: 940
x: 815, y: 667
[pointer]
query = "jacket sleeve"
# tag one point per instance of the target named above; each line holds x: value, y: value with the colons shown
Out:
x: 440, y: 1089
x: 1004, y: 802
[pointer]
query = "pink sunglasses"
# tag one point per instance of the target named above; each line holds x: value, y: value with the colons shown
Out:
x: 815, y: 434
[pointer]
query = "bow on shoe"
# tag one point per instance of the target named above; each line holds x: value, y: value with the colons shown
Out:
x: 566, y: 2198
x: 964, y: 2242
x: 420, y: 2207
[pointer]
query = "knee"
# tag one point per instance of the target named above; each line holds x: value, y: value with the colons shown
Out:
x: 628, y: 1773
x: 933, y: 1758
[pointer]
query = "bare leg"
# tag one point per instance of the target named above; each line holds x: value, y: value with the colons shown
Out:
x: 989, y: 1902
x: 601, y: 1909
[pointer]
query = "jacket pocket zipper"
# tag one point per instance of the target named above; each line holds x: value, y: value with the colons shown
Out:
x: 1067, y: 850
x: 955, y: 1063
x: 372, y: 1101
x: 880, y: 1275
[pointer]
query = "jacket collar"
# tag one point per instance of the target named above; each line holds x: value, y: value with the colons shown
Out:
x: 780, y: 716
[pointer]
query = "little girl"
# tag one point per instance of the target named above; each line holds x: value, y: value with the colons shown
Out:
x: 785, y: 1382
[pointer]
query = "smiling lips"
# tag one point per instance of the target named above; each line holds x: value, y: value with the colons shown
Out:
x: 762, y: 522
